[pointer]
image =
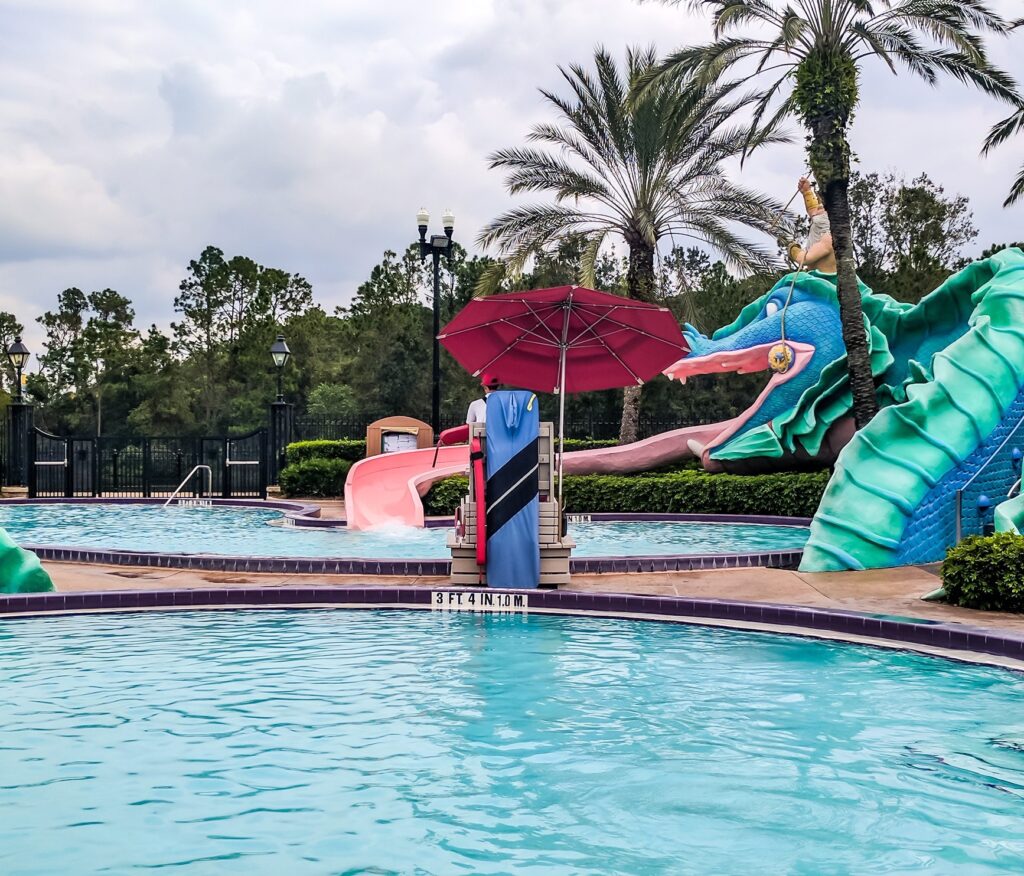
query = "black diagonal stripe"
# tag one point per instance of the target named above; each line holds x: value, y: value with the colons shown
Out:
x: 506, y: 477
x: 514, y: 502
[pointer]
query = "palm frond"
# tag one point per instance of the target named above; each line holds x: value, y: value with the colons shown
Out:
x: 588, y: 259
x: 1016, y: 191
x: 532, y: 170
x: 1004, y: 130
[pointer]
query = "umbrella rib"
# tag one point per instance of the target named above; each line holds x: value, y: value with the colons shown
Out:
x: 483, y: 368
x: 541, y: 321
x: 615, y: 356
x: 633, y: 329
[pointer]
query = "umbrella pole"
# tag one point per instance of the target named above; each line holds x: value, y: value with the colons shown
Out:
x: 561, y: 425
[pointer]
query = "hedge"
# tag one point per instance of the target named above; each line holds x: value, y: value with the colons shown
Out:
x: 351, y: 449
x: 986, y: 572
x: 321, y: 478
x: 687, y: 492
x: 354, y: 449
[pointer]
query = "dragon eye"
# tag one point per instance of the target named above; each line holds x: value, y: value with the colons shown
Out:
x: 771, y: 308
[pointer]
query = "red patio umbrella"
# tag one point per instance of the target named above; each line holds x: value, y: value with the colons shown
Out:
x: 565, y: 339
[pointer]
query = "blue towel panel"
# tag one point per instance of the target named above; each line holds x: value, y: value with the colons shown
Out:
x: 513, y: 504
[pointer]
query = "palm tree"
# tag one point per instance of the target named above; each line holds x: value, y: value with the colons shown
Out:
x: 643, y: 171
x: 813, y: 51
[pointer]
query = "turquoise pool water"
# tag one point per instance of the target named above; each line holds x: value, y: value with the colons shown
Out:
x: 244, y: 532
x: 322, y: 742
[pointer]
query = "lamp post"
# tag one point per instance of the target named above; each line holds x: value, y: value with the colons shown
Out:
x: 438, y: 245
x: 19, y: 421
x: 280, y: 413
x: 280, y: 353
x: 18, y: 355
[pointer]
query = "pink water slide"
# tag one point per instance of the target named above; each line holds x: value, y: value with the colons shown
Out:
x: 387, y: 489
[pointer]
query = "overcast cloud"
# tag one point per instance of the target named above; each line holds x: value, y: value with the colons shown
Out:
x: 307, y: 134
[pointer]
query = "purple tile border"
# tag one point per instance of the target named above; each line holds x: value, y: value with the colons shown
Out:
x: 908, y: 631
x: 416, y: 567
x: 304, y: 515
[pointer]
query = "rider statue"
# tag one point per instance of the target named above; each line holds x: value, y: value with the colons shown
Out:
x: 818, y: 254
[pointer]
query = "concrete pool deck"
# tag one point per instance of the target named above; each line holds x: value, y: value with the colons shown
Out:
x: 894, y: 592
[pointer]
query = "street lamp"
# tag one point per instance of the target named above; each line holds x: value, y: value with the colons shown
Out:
x: 438, y: 245
x: 18, y: 355
x: 280, y: 353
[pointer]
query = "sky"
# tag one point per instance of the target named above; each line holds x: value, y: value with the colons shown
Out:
x: 307, y: 134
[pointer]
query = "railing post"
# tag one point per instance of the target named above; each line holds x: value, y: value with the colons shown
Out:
x: 33, y: 488
x: 265, y: 463
x: 959, y: 516
x: 225, y: 485
x: 69, y: 468
x: 147, y: 487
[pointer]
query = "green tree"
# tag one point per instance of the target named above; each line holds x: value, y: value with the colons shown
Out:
x: 990, y: 251
x: 332, y: 400
x: 645, y: 170
x: 813, y: 51
x: 10, y: 328
x: 910, y: 235
x: 92, y: 349
x: 230, y: 309
x: 389, y: 336
x: 163, y: 396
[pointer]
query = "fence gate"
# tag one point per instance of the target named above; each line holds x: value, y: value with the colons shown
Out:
x: 50, y: 465
x: 144, y: 467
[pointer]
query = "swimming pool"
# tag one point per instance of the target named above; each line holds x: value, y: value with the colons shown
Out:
x: 313, y: 742
x: 244, y: 532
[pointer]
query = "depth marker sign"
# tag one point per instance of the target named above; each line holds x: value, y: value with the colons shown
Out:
x: 458, y: 600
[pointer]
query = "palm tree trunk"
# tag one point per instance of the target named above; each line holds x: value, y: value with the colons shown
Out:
x: 640, y: 284
x: 851, y: 313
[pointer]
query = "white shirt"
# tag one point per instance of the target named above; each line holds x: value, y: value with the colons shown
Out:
x: 477, y: 412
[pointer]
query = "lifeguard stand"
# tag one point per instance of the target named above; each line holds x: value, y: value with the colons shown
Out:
x: 554, y: 547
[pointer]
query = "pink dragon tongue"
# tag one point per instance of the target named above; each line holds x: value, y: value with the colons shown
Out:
x: 747, y: 361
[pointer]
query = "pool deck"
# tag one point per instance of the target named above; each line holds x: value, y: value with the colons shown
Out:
x: 895, y: 592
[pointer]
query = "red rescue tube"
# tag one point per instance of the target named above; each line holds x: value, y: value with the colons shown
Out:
x: 476, y: 457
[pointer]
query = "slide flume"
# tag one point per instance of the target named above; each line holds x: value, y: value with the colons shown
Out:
x: 387, y: 489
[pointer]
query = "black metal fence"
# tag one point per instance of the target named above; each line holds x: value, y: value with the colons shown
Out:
x: 240, y: 466
x: 139, y: 466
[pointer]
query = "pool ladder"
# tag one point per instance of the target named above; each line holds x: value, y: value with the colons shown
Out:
x: 188, y: 477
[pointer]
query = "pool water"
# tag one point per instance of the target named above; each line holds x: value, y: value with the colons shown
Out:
x: 244, y: 532
x: 321, y: 742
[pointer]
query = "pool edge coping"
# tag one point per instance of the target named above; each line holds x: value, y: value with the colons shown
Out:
x: 948, y: 640
x: 307, y: 515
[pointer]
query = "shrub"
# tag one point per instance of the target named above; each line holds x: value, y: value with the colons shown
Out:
x: 686, y: 492
x: 352, y: 449
x: 321, y: 478
x: 444, y: 496
x: 986, y: 572
x: 572, y: 444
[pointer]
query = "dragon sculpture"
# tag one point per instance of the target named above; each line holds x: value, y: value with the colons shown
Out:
x: 949, y: 373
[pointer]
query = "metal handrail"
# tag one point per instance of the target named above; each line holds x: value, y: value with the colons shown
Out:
x: 188, y: 477
x: 959, y: 498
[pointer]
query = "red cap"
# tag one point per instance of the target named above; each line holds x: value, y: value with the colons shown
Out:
x: 490, y: 381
